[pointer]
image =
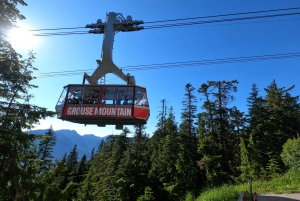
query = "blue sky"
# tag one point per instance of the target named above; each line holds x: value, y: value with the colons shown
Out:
x: 268, y: 36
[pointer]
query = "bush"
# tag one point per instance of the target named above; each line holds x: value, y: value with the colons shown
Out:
x: 291, y: 154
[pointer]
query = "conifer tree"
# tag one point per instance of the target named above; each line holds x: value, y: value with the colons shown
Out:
x: 282, y: 120
x: 160, y: 132
x: 219, y: 129
x: 188, y: 114
x: 161, y: 119
x: 104, y: 185
x: 163, y: 170
x: 71, y: 163
x: 272, y: 120
x: 18, y: 160
x: 68, y: 180
x: 186, y: 166
x: 147, y: 196
x: 100, y: 147
x: 81, y: 169
x: 92, y: 154
x: 50, y: 181
x: 171, y: 126
x: 45, y: 148
x: 100, y: 183
x: 134, y: 167
x: 250, y: 168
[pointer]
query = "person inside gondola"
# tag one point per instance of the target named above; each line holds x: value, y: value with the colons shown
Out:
x: 120, y: 98
x: 126, y: 100
x: 75, y: 100
x: 72, y: 99
x: 91, y: 99
x: 143, y: 102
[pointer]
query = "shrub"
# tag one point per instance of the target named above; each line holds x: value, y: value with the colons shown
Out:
x: 291, y: 154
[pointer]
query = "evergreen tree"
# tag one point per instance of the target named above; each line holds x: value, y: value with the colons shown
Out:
x: 272, y: 120
x: 69, y: 175
x: 219, y: 129
x: 188, y: 114
x: 49, y: 184
x: 18, y: 160
x: 161, y: 120
x: 186, y: 166
x: 249, y: 167
x: 81, y: 169
x: 79, y: 175
x: 92, y: 154
x: 45, y: 148
x: 134, y: 167
x: 71, y: 164
x: 100, y: 147
x: 171, y: 124
x: 100, y: 182
x: 163, y: 170
x: 72, y: 159
x: 147, y: 196
x: 282, y: 120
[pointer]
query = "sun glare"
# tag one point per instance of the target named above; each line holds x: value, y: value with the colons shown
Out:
x: 22, y: 38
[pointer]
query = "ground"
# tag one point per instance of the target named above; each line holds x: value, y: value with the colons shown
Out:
x: 279, y: 197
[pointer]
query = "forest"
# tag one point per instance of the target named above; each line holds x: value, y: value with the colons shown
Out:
x: 219, y: 145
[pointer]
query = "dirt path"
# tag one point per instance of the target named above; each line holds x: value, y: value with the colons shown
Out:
x: 279, y: 197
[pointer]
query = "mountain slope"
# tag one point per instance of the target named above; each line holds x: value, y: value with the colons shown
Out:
x: 66, y: 140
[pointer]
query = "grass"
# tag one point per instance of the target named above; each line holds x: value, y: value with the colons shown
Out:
x: 224, y: 193
x: 288, y: 183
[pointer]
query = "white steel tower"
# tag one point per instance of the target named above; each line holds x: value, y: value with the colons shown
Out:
x: 115, y: 22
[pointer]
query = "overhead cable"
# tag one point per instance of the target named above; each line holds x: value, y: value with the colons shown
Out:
x: 180, y: 19
x: 225, y: 15
x: 220, y: 20
x: 55, y: 29
x: 183, y: 23
x: 179, y: 64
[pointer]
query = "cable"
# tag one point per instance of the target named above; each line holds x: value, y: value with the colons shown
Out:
x: 190, y: 18
x: 179, y: 64
x: 54, y: 29
x: 218, y: 21
x: 86, y: 32
x: 62, y: 33
x: 225, y: 15
x: 185, y: 24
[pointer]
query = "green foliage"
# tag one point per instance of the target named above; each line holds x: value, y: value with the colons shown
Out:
x: 147, y: 195
x: 273, y: 168
x: 250, y: 168
x: 46, y: 145
x: 10, y: 14
x: 278, y: 121
x: 163, y: 172
x: 219, y: 127
x: 134, y: 167
x: 188, y: 114
x: 291, y: 154
x: 18, y: 159
x: 49, y: 183
x: 223, y: 193
x: 288, y: 183
x: 189, y: 197
x: 161, y: 132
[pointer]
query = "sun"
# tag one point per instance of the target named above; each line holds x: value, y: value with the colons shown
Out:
x: 23, y: 38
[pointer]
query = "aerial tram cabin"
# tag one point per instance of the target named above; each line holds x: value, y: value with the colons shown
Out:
x: 103, y: 105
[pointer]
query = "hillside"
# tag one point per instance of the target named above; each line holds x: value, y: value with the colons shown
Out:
x: 66, y: 140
